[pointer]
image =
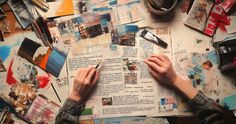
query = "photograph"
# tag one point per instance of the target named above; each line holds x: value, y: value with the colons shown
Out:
x: 106, y: 101
x: 42, y: 110
x: 198, y: 14
x: 122, y: 36
x: 23, y: 15
x: 7, y: 113
x: 85, y: 26
x: 130, y: 78
x: 48, y: 59
x: 167, y: 104
x: 129, y: 65
x: 2, y: 67
x: 82, y: 6
x: 23, y: 95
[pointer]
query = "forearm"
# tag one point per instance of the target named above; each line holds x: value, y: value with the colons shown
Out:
x: 185, y: 87
x: 206, y: 110
x: 70, y: 112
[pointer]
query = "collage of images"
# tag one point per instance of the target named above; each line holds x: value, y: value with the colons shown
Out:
x: 40, y: 110
x: 89, y: 25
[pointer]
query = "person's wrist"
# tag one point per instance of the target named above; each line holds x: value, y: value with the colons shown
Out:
x: 175, y: 79
x: 75, y: 96
x: 185, y: 87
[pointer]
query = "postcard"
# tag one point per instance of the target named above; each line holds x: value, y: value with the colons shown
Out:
x: 49, y: 59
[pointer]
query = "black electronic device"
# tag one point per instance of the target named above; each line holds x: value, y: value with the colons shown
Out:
x: 226, y: 52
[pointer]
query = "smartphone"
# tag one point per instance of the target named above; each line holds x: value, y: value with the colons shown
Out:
x: 153, y: 38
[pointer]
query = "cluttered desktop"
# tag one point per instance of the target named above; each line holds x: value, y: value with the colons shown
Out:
x: 44, y: 42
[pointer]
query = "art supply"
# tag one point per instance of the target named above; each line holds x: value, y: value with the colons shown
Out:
x: 99, y: 66
x: 153, y: 38
x: 43, y: 5
x: 41, y: 30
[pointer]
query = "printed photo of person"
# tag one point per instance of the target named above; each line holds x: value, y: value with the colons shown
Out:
x: 106, y: 101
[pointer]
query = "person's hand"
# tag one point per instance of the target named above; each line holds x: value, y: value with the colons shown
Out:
x: 84, y: 81
x: 161, y: 68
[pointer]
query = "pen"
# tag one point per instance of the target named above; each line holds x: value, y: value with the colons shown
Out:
x: 99, y: 65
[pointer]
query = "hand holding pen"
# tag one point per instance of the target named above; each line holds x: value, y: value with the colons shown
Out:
x: 84, y: 81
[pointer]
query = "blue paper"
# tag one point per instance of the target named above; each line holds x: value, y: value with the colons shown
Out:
x: 212, y: 56
x: 230, y: 102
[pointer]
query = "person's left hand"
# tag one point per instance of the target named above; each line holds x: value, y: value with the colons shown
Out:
x: 84, y: 82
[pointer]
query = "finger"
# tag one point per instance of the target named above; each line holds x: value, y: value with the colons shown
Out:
x: 162, y: 57
x: 167, y: 58
x: 95, y: 80
x: 77, y: 75
x: 84, y: 73
x: 153, y: 73
x: 90, y: 76
x: 154, y: 66
x: 156, y: 60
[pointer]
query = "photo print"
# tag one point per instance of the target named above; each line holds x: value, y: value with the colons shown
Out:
x: 2, y: 67
x: 130, y: 78
x: 49, y: 59
x: 42, y: 110
x: 88, y: 25
x: 82, y: 6
x: 124, y: 35
x: 167, y: 104
x: 8, y: 112
x: 106, y: 101
x: 21, y: 10
x: 198, y: 14
x: 23, y: 95
x: 129, y: 65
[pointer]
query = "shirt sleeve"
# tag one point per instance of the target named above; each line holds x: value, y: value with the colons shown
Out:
x: 206, y: 109
x: 70, y: 112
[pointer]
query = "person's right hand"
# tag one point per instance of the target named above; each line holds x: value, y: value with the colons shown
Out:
x: 84, y: 82
x: 161, y: 68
